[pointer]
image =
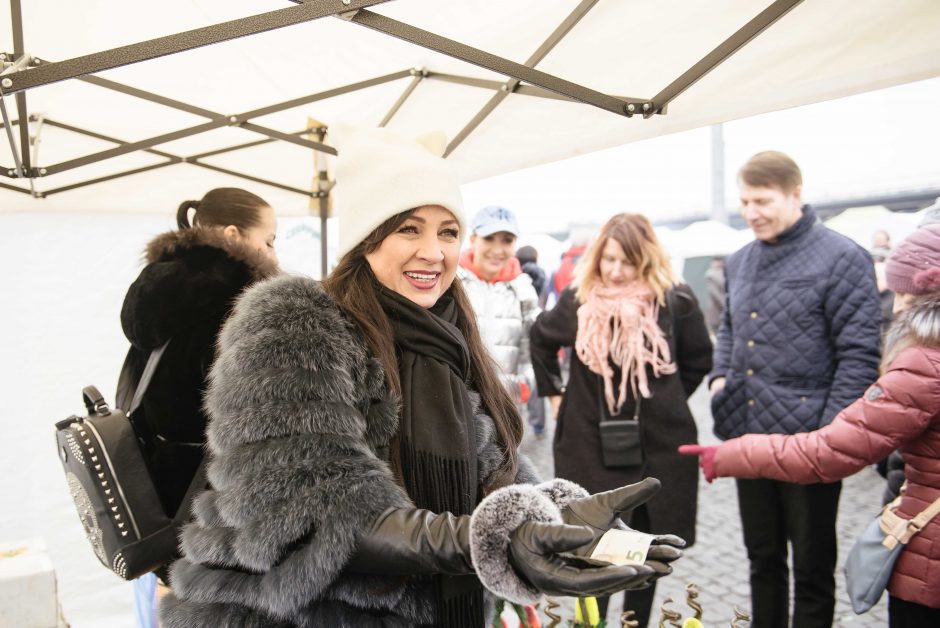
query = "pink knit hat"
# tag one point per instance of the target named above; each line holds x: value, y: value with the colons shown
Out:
x: 914, y: 266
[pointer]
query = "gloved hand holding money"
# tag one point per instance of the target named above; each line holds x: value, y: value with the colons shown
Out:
x: 614, y: 542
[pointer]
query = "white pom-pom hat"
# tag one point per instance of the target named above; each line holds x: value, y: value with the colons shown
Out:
x: 380, y: 174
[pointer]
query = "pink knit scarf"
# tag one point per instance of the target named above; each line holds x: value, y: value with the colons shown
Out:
x: 619, y: 326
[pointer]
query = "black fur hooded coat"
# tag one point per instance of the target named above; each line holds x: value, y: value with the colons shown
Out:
x: 298, y: 410
x: 184, y: 293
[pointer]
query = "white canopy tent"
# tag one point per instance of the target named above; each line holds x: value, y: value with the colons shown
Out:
x: 68, y: 265
x: 860, y: 224
x: 610, y: 54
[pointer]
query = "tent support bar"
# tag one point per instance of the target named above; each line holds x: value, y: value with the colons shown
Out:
x: 8, y: 127
x: 171, y: 159
x: 249, y: 177
x: 716, y: 57
x: 287, y: 137
x: 229, y: 149
x: 532, y: 90
x: 559, y: 33
x: 510, y: 86
x: 487, y: 60
x: 330, y: 93
x: 110, y: 177
x: 19, y: 51
x: 134, y: 146
x: 465, y: 80
x: 523, y: 89
x: 105, y: 138
x: 193, y: 159
x: 255, y: 113
x: 179, y: 42
x: 418, y: 77
x: 145, y: 95
x: 218, y: 120
x: 16, y: 17
x: 7, y: 186
x: 481, y: 115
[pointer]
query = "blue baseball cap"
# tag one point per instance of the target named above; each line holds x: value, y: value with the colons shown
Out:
x: 493, y: 219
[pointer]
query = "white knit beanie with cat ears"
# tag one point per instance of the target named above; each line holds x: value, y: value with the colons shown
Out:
x: 380, y: 174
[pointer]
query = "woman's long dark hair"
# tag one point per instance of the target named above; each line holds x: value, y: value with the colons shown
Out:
x: 354, y: 287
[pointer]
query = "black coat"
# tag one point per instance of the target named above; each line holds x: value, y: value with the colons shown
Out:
x: 184, y: 294
x: 665, y: 419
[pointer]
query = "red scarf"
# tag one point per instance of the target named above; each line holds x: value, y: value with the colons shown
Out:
x: 619, y: 326
x: 510, y: 270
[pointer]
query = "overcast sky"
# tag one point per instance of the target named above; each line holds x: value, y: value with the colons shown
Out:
x: 887, y: 140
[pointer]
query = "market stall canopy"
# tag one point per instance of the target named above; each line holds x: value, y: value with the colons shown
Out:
x: 515, y: 83
x: 861, y: 223
x: 710, y: 238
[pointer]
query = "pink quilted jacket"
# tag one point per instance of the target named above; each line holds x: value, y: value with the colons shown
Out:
x: 900, y: 410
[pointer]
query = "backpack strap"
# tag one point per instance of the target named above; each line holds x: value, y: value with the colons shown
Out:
x: 146, y: 376
x: 198, y: 483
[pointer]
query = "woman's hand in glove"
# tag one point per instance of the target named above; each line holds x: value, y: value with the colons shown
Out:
x: 706, y: 458
x: 536, y: 552
x: 601, y: 512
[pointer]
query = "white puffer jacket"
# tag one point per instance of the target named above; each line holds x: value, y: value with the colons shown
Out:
x: 505, y: 312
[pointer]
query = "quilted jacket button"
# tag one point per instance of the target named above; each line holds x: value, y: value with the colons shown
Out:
x: 750, y: 402
x: 803, y: 398
x: 753, y: 314
x: 750, y: 372
x: 750, y: 344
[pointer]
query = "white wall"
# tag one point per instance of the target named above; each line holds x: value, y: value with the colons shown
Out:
x: 63, y: 280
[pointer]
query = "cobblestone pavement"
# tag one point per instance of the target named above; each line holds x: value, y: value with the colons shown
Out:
x: 718, y: 563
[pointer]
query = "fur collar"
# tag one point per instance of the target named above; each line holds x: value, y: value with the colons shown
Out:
x: 171, y: 243
x: 918, y: 325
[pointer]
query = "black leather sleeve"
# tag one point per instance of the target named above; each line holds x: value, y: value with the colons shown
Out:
x: 411, y: 541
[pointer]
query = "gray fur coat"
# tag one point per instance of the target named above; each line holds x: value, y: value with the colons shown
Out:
x: 298, y: 409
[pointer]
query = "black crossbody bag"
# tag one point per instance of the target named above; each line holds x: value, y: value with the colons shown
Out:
x: 110, y: 483
x: 622, y: 439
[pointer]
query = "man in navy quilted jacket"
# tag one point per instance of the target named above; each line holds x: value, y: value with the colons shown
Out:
x: 798, y: 341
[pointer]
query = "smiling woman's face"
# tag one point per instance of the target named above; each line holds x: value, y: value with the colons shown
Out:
x: 419, y: 259
x: 490, y: 253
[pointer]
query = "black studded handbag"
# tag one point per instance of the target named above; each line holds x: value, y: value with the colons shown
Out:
x: 110, y: 482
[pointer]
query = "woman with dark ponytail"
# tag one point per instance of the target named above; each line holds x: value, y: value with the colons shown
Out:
x: 225, y: 243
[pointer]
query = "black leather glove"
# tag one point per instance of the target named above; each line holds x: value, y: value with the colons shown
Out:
x: 536, y: 553
x: 411, y: 541
x: 601, y: 512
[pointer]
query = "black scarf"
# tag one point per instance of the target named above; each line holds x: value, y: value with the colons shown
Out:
x: 437, y: 434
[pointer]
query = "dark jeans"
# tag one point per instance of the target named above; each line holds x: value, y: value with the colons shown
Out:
x: 903, y: 614
x: 772, y: 514
x: 638, y: 600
